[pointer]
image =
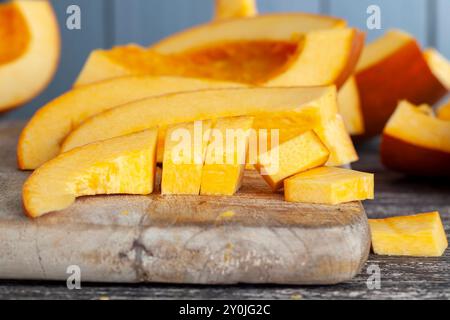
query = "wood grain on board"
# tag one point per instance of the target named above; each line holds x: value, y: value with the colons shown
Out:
x: 252, y: 237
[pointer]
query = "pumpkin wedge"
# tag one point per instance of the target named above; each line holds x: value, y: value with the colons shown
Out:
x: 226, y: 9
x: 416, y: 142
x: 29, y: 50
x: 439, y: 65
x: 124, y: 165
x: 394, y: 68
x: 41, y: 139
x: 269, y: 50
x: 290, y: 110
x: 420, y: 235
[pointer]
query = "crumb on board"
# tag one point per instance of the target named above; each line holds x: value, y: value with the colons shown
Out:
x: 227, y: 214
x: 227, y: 255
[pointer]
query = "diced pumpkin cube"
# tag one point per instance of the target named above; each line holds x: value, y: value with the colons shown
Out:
x: 225, y: 156
x: 327, y: 185
x: 184, y: 155
x: 299, y: 154
x: 420, y: 235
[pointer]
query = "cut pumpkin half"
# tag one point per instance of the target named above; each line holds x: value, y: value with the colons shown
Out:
x: 124, y: 165
x: 41, y: 139
x: 292, y: 111
x: 269, y: 50
x: 29, y: 50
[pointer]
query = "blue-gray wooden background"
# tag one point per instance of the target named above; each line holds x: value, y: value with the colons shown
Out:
x: 110, y: 22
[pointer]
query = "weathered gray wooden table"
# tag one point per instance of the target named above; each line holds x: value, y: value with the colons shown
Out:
x: 410, y: 278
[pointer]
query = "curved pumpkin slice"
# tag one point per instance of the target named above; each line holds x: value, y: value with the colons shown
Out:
x: 274, y: 27
x: 291, y: 110
x: 272, y: 50
x: 394, y: 68
x: 124, y: 165
x: 29, y: 50
x: 416, y: 143
x: 439, y: 65
x: 226, y: 9
x: 41, y: 139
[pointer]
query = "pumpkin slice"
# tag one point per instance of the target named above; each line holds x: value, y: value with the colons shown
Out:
x: 29, y: 50
x: 41, y: 139
x: 327, y: 185
x: 224, y: 166
x: 226, y: 9
x: 420, y: 235
x: 350, y: 107
x: 184, y: 155
x: 444, y: 112
x: 394, y: 68
x: 290, y: 110
x: 332, y: 132
x: 439, y: 65
x: 416, y: 142
x: 302, y: 153
x: 272, y: 50
x: 124, y: 165
x: 335, y: 136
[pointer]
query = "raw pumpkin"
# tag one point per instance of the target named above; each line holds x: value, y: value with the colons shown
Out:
x: 292, y: 111
x: 227, y: 9
x: 42, y: 137
x: 120, y: 165
x: 299, y: 154
x: 29, y: 50
x: 444, y: 112
x: 420, y: 235
x: 184, y: 154
x: 328, y: 185
x: 270, y: 50
x: 224, y: 166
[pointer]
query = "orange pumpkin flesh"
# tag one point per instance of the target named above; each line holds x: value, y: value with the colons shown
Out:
x: 13, y: 32
x: 29, y: 50
x: 401, y: 74
x: 219, y: 62
x: 415, y: 142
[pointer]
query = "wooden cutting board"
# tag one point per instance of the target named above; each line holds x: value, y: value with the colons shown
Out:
x: 252, y: 237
